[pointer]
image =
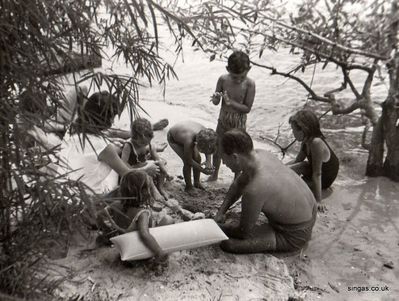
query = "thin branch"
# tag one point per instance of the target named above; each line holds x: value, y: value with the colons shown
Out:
x: 327, y: 41
x: 354, y: 106
x: 349, y: 81
x: 300, y: 81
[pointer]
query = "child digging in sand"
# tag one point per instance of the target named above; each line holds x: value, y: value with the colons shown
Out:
x: 321, y: 167
x: 237, y: 93
x: 136, y: 151
x: 135, y: 212
x: 188, y: 139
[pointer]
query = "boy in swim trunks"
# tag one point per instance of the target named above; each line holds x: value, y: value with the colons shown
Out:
x: 266, y: 186
x: 236, y: 91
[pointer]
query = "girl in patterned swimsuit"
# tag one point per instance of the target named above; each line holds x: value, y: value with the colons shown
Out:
x: 236, y: 92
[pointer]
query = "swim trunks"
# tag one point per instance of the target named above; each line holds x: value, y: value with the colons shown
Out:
x: 292, y: 237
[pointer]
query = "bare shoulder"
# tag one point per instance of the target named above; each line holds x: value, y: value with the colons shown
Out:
x: 317, y: 144
x: 250, y: 82
x: 224, y: 77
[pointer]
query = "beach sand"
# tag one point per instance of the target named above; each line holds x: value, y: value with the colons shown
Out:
x: 354, y: 244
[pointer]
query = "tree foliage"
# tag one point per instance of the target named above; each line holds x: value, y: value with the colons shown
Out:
x: 41, y: 40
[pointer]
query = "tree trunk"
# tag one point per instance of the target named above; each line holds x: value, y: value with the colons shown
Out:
x: 390, y: 115
x: 376, y: 151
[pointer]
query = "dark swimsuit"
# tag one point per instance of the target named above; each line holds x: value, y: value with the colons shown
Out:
x: 329, y: 169
x: 134, y: 158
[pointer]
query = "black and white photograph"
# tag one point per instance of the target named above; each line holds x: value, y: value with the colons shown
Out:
x: 199, y: 150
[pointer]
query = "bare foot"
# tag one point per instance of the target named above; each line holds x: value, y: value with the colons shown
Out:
x: 161, y: 147
x: 161, y: 124
x: 163, y: 193
x: 321, y: 207
x: 191, y: 191
x: 199, y: 186
x: 212, y: 178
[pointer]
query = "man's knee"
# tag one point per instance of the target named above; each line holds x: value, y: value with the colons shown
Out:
x: 228, y: 246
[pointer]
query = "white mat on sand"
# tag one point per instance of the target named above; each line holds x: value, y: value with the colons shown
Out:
x: 171, y: 238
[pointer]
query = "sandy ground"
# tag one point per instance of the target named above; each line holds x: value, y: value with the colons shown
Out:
x: 354, y: 248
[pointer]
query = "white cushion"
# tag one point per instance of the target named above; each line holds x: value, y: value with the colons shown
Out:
x: 175, y: 237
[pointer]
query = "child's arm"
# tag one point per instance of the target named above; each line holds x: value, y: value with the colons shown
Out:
x: 126, y: 150
x: 110, y: 156
x: 145, y: 235
x: 155, y: 157
x: 188, y: 159
x: 234, y: 193
x: 316, y: 149
x: 301, y: 156
x: 246, y: 106
x: 217, y: 96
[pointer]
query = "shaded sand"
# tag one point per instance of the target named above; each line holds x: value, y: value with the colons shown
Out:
x: 350, y: 245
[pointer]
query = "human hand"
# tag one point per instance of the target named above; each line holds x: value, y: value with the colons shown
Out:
x: 161, y: 257
x: 220, y: 218
x: 158, y: 263
x: 208, y: 170
x: 226, y: 99
x: 216, y: 97
x: 118, y: 142
x: 321, y: 207
x: 207, y: 164
x: 152, y: 168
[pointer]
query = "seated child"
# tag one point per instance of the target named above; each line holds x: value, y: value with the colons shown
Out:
x: 134, y: 212
x: 321, y: 167
x: 188, y: 139
x: 136, y: 151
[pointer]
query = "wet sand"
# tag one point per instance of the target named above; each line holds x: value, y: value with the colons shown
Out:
x: 354, y: 244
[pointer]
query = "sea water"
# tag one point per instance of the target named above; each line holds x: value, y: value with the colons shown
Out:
x: 276, y: 99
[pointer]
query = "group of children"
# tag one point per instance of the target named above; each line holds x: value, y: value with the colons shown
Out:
x: 236, y: 92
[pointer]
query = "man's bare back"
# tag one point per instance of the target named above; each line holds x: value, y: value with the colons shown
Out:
x: 283, y: 194
x: 265, y: 185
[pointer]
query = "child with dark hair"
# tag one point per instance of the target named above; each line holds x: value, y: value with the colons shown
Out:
x: 237, y: 93
x: 321, y: 167
x: 188, y: 139
x: 134, y: 212
x: 97, y: 114
x: 139, y: 149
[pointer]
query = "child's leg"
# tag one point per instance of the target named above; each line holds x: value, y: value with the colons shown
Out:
x: 197, y: 173
x: 217, y: 156
x: 160, y: 180
x: 217, y: 160
x: 179, y: 150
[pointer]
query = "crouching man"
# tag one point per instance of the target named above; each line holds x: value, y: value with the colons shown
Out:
x: 265, y: 185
